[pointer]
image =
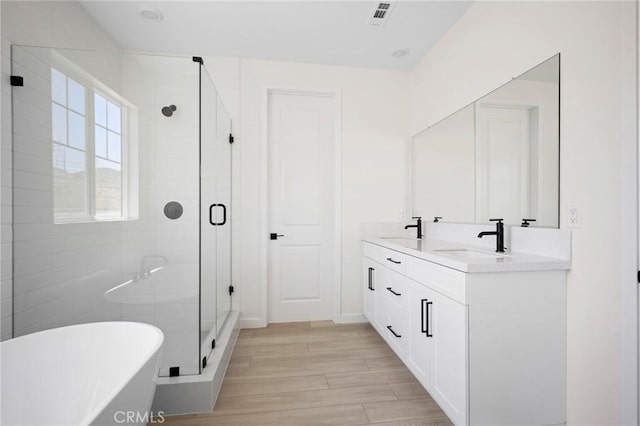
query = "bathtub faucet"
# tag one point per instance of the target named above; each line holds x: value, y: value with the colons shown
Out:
x: 145, y: 271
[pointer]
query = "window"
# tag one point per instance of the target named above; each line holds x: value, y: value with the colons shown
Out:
x: 89, y: 144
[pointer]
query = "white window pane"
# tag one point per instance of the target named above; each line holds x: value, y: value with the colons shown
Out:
x: 101, y: 141
x: 108, y: 188
x: 113, y: 118
x: 76, y: 96
x: 115, y: 147
x: 58, y: 123
x: 77, y: 132
x: 70, y: 180
x: 58, y: 87
x: 100, y: 110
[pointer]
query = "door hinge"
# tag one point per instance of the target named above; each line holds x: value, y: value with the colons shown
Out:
x: 231, y: 138
x: 639, y: 276
x: 213, y: 344
x: 204, y: 362
x: 231, y: 290
x: 16, y: 80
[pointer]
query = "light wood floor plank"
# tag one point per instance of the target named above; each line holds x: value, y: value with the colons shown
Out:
x: 388, y: 363
x: 409, y: 390
x: 270, y: 349
x: 371, y: 378
x: 356, y: 343
x: 306, y: 399
x: 343, y: 415
x: 313, y: 357
x: 309, y: 369
x: 273, y: 385
x: 402, y: 410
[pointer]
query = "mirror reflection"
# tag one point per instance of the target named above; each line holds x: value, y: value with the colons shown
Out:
x: 495, y: 158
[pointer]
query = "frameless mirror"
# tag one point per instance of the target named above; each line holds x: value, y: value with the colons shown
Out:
x: 497, y: 157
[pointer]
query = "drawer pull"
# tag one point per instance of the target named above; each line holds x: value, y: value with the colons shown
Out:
x: 371, y: 279
x: 397, y: 262
x: 393, y: 332
x: 391, y: 290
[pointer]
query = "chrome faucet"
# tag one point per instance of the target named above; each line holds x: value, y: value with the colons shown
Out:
x: 145, y: 271
x: 418, y: 226
x: 499, y: 233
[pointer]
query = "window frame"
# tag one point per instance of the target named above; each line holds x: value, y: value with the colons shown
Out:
x: 92, y: 87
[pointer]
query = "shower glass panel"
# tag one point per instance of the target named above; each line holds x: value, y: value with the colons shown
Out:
x: 215, y: 298
x: 223, y: 184
x: 164, y: 243
x: 109, y: 200
x: 210, y: 214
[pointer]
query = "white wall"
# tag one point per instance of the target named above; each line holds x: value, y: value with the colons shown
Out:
x: 496, y: 41
x: 374, y: 143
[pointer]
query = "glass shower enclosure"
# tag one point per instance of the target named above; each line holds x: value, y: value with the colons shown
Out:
x: 121, y: 197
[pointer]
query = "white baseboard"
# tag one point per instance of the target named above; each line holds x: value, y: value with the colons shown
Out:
x: 352, y: 318
x: 252, y: 322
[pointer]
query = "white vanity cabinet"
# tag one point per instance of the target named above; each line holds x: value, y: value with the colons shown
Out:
x: 489, y: 347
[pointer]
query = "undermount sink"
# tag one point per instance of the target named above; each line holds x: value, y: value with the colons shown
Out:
x: 470, y: 254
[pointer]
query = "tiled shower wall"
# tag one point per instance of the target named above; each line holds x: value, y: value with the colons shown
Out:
x: 61, y: 24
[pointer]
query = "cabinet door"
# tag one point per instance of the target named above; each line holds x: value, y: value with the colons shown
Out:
x: 419, y: 358
x: 381, y: 299
x: 448, y: 326
x: 369, y: 289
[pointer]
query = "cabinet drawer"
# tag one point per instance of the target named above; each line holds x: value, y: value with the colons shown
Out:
x: 440, y: 278
x: 392, y: 259
x: 397, y: 331
x: 397, y: 291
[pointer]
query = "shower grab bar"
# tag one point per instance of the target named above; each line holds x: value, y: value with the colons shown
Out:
x: 224, y: 214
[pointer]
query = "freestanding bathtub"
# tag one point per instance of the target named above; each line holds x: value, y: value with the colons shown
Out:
x: 100, y: 373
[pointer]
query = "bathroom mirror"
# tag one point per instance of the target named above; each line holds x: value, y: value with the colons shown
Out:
x: 496, y: 157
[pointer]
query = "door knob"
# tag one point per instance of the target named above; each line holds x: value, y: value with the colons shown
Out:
x: 274, y: 236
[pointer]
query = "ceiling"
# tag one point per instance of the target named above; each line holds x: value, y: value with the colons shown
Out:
x: 324, y: 32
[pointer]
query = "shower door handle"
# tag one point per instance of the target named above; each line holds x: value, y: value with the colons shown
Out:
x: 224, y: 214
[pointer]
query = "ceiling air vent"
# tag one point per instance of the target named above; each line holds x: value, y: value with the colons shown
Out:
x: 380, y: 14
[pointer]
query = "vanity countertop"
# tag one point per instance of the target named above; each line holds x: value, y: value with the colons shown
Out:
x: 468, y: 258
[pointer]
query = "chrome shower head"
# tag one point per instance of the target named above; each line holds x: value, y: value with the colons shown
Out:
x: 168, y: 110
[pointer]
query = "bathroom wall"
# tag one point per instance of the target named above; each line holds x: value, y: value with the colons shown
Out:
x: 61, y: 24
x: 496, y: 41
x: 374, y: 148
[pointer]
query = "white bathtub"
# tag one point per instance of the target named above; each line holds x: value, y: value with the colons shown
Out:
x: 99, y: 373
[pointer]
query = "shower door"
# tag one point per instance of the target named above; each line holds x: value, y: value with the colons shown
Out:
x: 215, y: 189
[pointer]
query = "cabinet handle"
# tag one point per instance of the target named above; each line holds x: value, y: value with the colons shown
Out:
x: 393, y: 332
x: 423, y: 328
x: 371, y: 279
x: 391, y: 290
x: 397, y: 262
x: 427, y: 328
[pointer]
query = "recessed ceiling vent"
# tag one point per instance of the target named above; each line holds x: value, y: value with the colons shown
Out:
x: 380, y: 14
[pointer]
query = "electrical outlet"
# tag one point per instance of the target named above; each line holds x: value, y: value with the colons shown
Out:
x: 403, y: 215
x: 574, y: 218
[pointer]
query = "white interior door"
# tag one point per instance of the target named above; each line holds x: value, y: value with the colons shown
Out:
x: 301, y: 207
x: 504, y: 164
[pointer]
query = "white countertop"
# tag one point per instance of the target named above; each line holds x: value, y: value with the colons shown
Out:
x: 468, y: 258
